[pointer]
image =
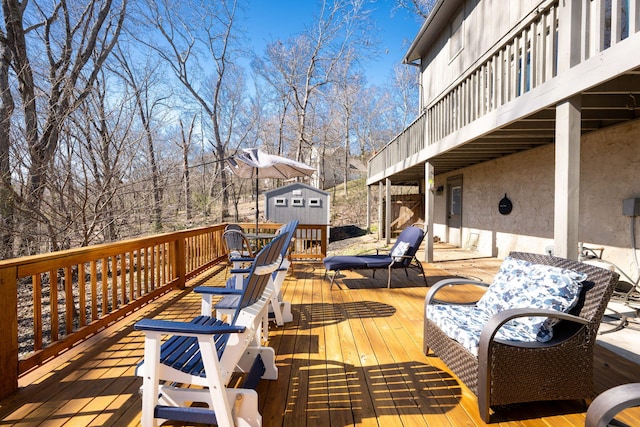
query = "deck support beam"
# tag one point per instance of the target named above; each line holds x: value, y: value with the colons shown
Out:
x: 387, y: 217
x: 368, y: 209
x: 567, y: 179
x: 380, y: 211
x: 429, y: 202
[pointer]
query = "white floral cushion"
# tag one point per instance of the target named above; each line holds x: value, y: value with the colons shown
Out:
x: 518, y: 284
x: 399, y: 251
x: 464, y: 324
x: 521, y: 284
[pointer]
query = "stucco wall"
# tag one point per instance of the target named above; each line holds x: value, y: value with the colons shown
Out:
x: 610, y: 172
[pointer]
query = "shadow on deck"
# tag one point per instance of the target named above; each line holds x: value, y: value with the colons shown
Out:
x: 352, y: 355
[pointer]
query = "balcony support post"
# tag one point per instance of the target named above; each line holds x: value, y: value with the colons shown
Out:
x: 567, y: 178
x: 9, y: 322
x: 387, y: 217
x: 380, y: 211
x: 368, y: 209
x: 429, y: 201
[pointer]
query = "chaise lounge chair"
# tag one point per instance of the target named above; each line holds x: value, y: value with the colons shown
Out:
x: 401, y: 255
x: 530, y: 337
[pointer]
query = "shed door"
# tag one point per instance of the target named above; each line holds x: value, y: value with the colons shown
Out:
x: 454, y: 210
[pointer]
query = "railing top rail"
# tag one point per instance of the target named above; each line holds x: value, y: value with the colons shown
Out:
x: 76, y: 255
x: 382, y: 150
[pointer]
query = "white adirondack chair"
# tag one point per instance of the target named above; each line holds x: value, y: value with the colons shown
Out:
x: 206, y: 352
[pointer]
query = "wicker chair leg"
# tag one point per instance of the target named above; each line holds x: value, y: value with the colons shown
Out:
x: 484, y: 386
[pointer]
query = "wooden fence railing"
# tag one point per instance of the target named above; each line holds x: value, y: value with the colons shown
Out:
x: 50, y: 302
x: 310, y: 241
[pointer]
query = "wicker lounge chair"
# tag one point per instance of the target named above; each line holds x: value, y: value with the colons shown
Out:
x: 613, y: 401
x: 505, y: 371
x: 401, y: 255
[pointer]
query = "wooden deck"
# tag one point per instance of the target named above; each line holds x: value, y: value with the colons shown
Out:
x: 352, y: 356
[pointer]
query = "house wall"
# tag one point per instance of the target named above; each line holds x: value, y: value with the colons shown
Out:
x: 610, y: 172
x: 494, y: 17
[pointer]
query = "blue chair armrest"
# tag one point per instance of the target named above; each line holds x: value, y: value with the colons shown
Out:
x: 171, y: 327
x: 241, y: 259
x: 215, y: 290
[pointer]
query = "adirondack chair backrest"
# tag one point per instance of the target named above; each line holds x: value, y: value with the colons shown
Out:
x: 289, y: 230
x: 411, y: 236
x: 256, y: 281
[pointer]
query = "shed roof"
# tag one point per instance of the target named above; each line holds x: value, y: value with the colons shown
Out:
x: 294, y: 186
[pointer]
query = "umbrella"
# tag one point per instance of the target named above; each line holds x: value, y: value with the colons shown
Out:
x: 253, y: 163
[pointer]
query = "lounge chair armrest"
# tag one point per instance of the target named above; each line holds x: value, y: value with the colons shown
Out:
x: 216, y: 290
x: 185, y: 328
x: 450, y: 282
x: 608, y: 404
x: 495, y: 323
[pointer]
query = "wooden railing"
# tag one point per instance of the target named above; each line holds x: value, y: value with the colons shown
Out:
x: 310, y: 241
x: 50, y: 302
x: 411, y: 141
x: 525, y: 58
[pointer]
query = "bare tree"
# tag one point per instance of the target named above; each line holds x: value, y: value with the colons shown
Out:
x: 147, y: 97
x: 186, y: 138
x: 421, y: 8
x: 6, y: 191
x: 74, y: 44
x: 307, y: 63
x: 191, y: 30
x: 106, y: 148
x: 405, y: 94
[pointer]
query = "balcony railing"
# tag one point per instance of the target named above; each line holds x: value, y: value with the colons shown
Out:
x: 50, y: 302
x: 525, y: 58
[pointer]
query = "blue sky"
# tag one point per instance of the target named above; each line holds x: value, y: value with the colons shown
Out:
x: 268, y: 20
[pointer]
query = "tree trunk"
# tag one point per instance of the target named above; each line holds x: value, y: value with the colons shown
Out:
x: 6, y: 190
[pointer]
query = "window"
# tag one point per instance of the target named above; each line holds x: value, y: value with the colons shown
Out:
x: 314, y: 202
x: 281, y: 201
x: 456, y: 200
x: 297, y: 202
x: 456, y: 41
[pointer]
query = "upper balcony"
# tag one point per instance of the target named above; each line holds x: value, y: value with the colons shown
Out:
x: 505, y: 102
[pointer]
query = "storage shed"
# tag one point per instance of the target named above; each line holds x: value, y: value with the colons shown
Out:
x: 307, y: 204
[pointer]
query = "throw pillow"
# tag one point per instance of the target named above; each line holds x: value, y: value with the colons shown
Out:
x: 399, y: 251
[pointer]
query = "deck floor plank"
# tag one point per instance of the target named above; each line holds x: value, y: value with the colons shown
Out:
x: 351, y: 357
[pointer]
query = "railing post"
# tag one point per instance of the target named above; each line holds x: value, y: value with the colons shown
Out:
x: 569, y: 34
x: 179, y: 261
x: 9, y: 322
x: 324, y: 236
